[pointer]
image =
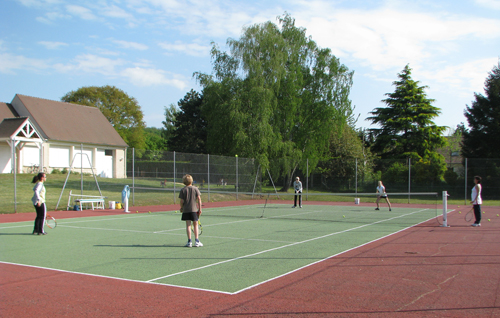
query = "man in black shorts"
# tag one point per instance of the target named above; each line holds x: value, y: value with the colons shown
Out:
x: 191, y: 208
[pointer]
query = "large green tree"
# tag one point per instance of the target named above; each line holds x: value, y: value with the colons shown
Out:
x: 189, y: 131
x: 406, y: 125
x: 121, y: 110
x: 407, y: 129
x: 482, y: 139
x: 275, y: 97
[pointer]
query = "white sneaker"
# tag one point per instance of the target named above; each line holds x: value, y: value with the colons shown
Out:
x: 198, y: 244
x: 189, y: 244
x: 301, y: 206
x: 476, y: 224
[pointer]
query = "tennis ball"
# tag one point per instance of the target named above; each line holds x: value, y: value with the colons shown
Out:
x: 236, y: 155
x: 497, y: 214
x: 488, y: 220
x: 343, y: 216
x: 460, y: 212
x: 484, y: 212
x: 136, y: 211
x: 149, y: 212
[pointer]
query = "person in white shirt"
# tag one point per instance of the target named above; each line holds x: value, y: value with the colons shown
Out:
x: 382, y: 194
x: 476, y: 200
x: 297, y: 186
x: 38, y: 200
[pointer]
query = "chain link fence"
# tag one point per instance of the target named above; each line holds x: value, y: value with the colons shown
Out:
x: 155, y: 178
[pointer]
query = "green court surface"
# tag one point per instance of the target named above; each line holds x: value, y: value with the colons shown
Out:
x: 240, y: 250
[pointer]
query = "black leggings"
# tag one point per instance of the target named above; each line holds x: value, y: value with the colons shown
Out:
x: 40, y: 218
x: 297, y: 194
x: 477, y: 213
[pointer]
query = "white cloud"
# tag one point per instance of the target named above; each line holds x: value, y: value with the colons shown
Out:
x: 193, y: 49
x: 38, y: 3
x: 150, y: 77
x: 90, y: 63
x: 81, y: 12
x: 491, y: 4
x: 9, y: 63
x: 459, y: 79
x: 131, y: 45
x: 52, y: 45
x: 387, y: 37
x: 116, y: 12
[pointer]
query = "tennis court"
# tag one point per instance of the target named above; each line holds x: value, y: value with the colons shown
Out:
x: 244, y: 246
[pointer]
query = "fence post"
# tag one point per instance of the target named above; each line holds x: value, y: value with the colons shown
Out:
x: 307, y: 180
x: 236, y: 177
x: 356, y: 181
x: 174, y: 177
x: 133, y: 176
x: 409, y: 179
x: 208, y: 177
x: 465, y: 186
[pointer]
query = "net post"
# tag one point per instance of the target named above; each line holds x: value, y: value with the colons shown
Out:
x: 445, y: 209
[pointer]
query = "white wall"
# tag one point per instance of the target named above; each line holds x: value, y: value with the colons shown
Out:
x: 5, y: 155
x: 104, y: 164
x: 59, y: 157
x: 30, y: 156
x: 78, y: 158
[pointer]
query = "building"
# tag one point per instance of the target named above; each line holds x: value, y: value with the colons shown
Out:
x: 42, y: 135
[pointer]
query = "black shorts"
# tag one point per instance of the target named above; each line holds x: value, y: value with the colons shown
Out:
x: 383, y: 196
x: 189, y: 216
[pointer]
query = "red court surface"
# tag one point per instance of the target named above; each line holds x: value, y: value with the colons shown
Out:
x: 424, y: 271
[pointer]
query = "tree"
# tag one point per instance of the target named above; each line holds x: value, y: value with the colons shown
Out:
x: 169, y: 122
x: 406, y: 125
x: 189, y: 133
x: 121, y: 110
x: 339, y: 168
x: 154, y: 139
x: 483, y: 116
x: 276, y: 97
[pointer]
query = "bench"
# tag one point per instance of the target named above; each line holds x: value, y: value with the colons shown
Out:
x: 98, y: 201
x: 86, y: 200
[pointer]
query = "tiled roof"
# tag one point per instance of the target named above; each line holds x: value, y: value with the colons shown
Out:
x: 68, y: 122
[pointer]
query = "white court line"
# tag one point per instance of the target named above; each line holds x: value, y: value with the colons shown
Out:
x: 281, y: 247
x: 179, y: 229
x: 115, y: 278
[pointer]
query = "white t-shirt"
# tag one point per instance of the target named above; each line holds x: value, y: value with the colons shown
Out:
x: 475, y: 195
x: 297, y: 185
x: 381, y: 190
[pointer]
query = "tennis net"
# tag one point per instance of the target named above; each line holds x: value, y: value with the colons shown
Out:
x: 335, y: 207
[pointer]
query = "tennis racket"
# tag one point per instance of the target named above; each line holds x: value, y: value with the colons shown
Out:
x: 200, y: 228
x: 50, y: 221
x: 469, y: 215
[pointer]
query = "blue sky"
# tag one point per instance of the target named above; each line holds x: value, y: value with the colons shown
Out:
x: 151, y: 48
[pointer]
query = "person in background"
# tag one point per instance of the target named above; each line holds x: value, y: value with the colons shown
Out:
x: 382, y: 194
x: 297, y: 186
x: 476, y: 200
x: 190, y: 207
x: 38, y: 200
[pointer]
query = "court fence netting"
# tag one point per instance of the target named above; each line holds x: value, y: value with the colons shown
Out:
x: 155, y: 178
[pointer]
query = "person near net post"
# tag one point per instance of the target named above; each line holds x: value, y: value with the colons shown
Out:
x: 297, y: 186
x: 38, y: 200
x: 476, y: 200
x: 190, y: 203
x: 382, y: 194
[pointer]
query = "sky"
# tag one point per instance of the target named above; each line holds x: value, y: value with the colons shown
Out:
x: 151, y: 48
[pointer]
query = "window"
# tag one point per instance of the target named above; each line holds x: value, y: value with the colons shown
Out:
x: 108, y: 152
